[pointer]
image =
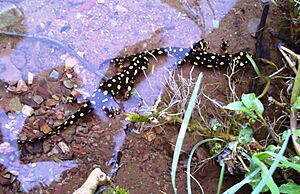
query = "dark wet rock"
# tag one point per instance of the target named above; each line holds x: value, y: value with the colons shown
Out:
x: 27, y: 110
x: 18, y: 58
x: 252, y: 26
x: 10, y: 14
x: 37, y: 147
x: 46, y: 147
x: 68, y: 133
x: 51, y: 102
x: 5, y: 181
x: 38, y: 99
x: 68, y: 84
x: 42, y: 91
x: 28, y: 100
x: 15, y: 105
x: 54, y: 75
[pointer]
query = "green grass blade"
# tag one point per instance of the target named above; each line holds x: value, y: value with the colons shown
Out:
x: 246, y: 180
x: 221, y: 178
x: 183, y: 129
x: 188, y: 171
x: 264, y: 171
x: 273, y: 166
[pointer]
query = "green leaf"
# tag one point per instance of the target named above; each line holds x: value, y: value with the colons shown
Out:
x: 245, y: 135
x: 284, y: 135
x: 296, y: 132
x: 252, y: 103
x: 296, y: 105
x: 272, y: 148
x: 298, y: 140
x: 289, y: 188
x: 264, y: 171
x: 236, y: 106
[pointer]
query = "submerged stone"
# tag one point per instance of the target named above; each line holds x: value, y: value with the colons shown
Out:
x: 10, y: 14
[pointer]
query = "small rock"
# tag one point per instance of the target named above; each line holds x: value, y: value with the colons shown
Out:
x: 4, y: 181
x: 100, y: 1
x: 47, y: 147
x: 81, y: 129
x: 252, y: 26
x: 70, y: 62
x: 38, y: 99
x: 68, y: 84
x: 10, y: 14
x: 150, y: 136
x: 15, y: 105
x: 22, y: 86
x: 51, y: 102
x: 27, y: 110
x: 43, y: 92
x: 63, y: 146
x: 45, y: 128
x: 30, y: 78
x: 54, y: 151
x: 54, y: 75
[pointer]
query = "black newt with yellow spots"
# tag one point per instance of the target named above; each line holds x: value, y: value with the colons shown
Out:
x: 195, y: 55
x: 122, y: 83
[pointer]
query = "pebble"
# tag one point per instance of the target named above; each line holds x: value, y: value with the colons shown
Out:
x: 82, y: 129
x: 4, y: 181
x: 27, y: 110
x: 21, y: 86
x: 30, y: 77
x: 43, y: 92
x: 150, y: 136
x: 51, y: 102
x: 54, y: 151
x: 100, y: 1
x: 68, y: 84
x: 70, y: 62
x: 38, y: 99
x: 252, y: 26
x: 45, y: 128
x: 10, y: 14
x: 15, y: 105
x: 63, y: 146
x: 54, y: 75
